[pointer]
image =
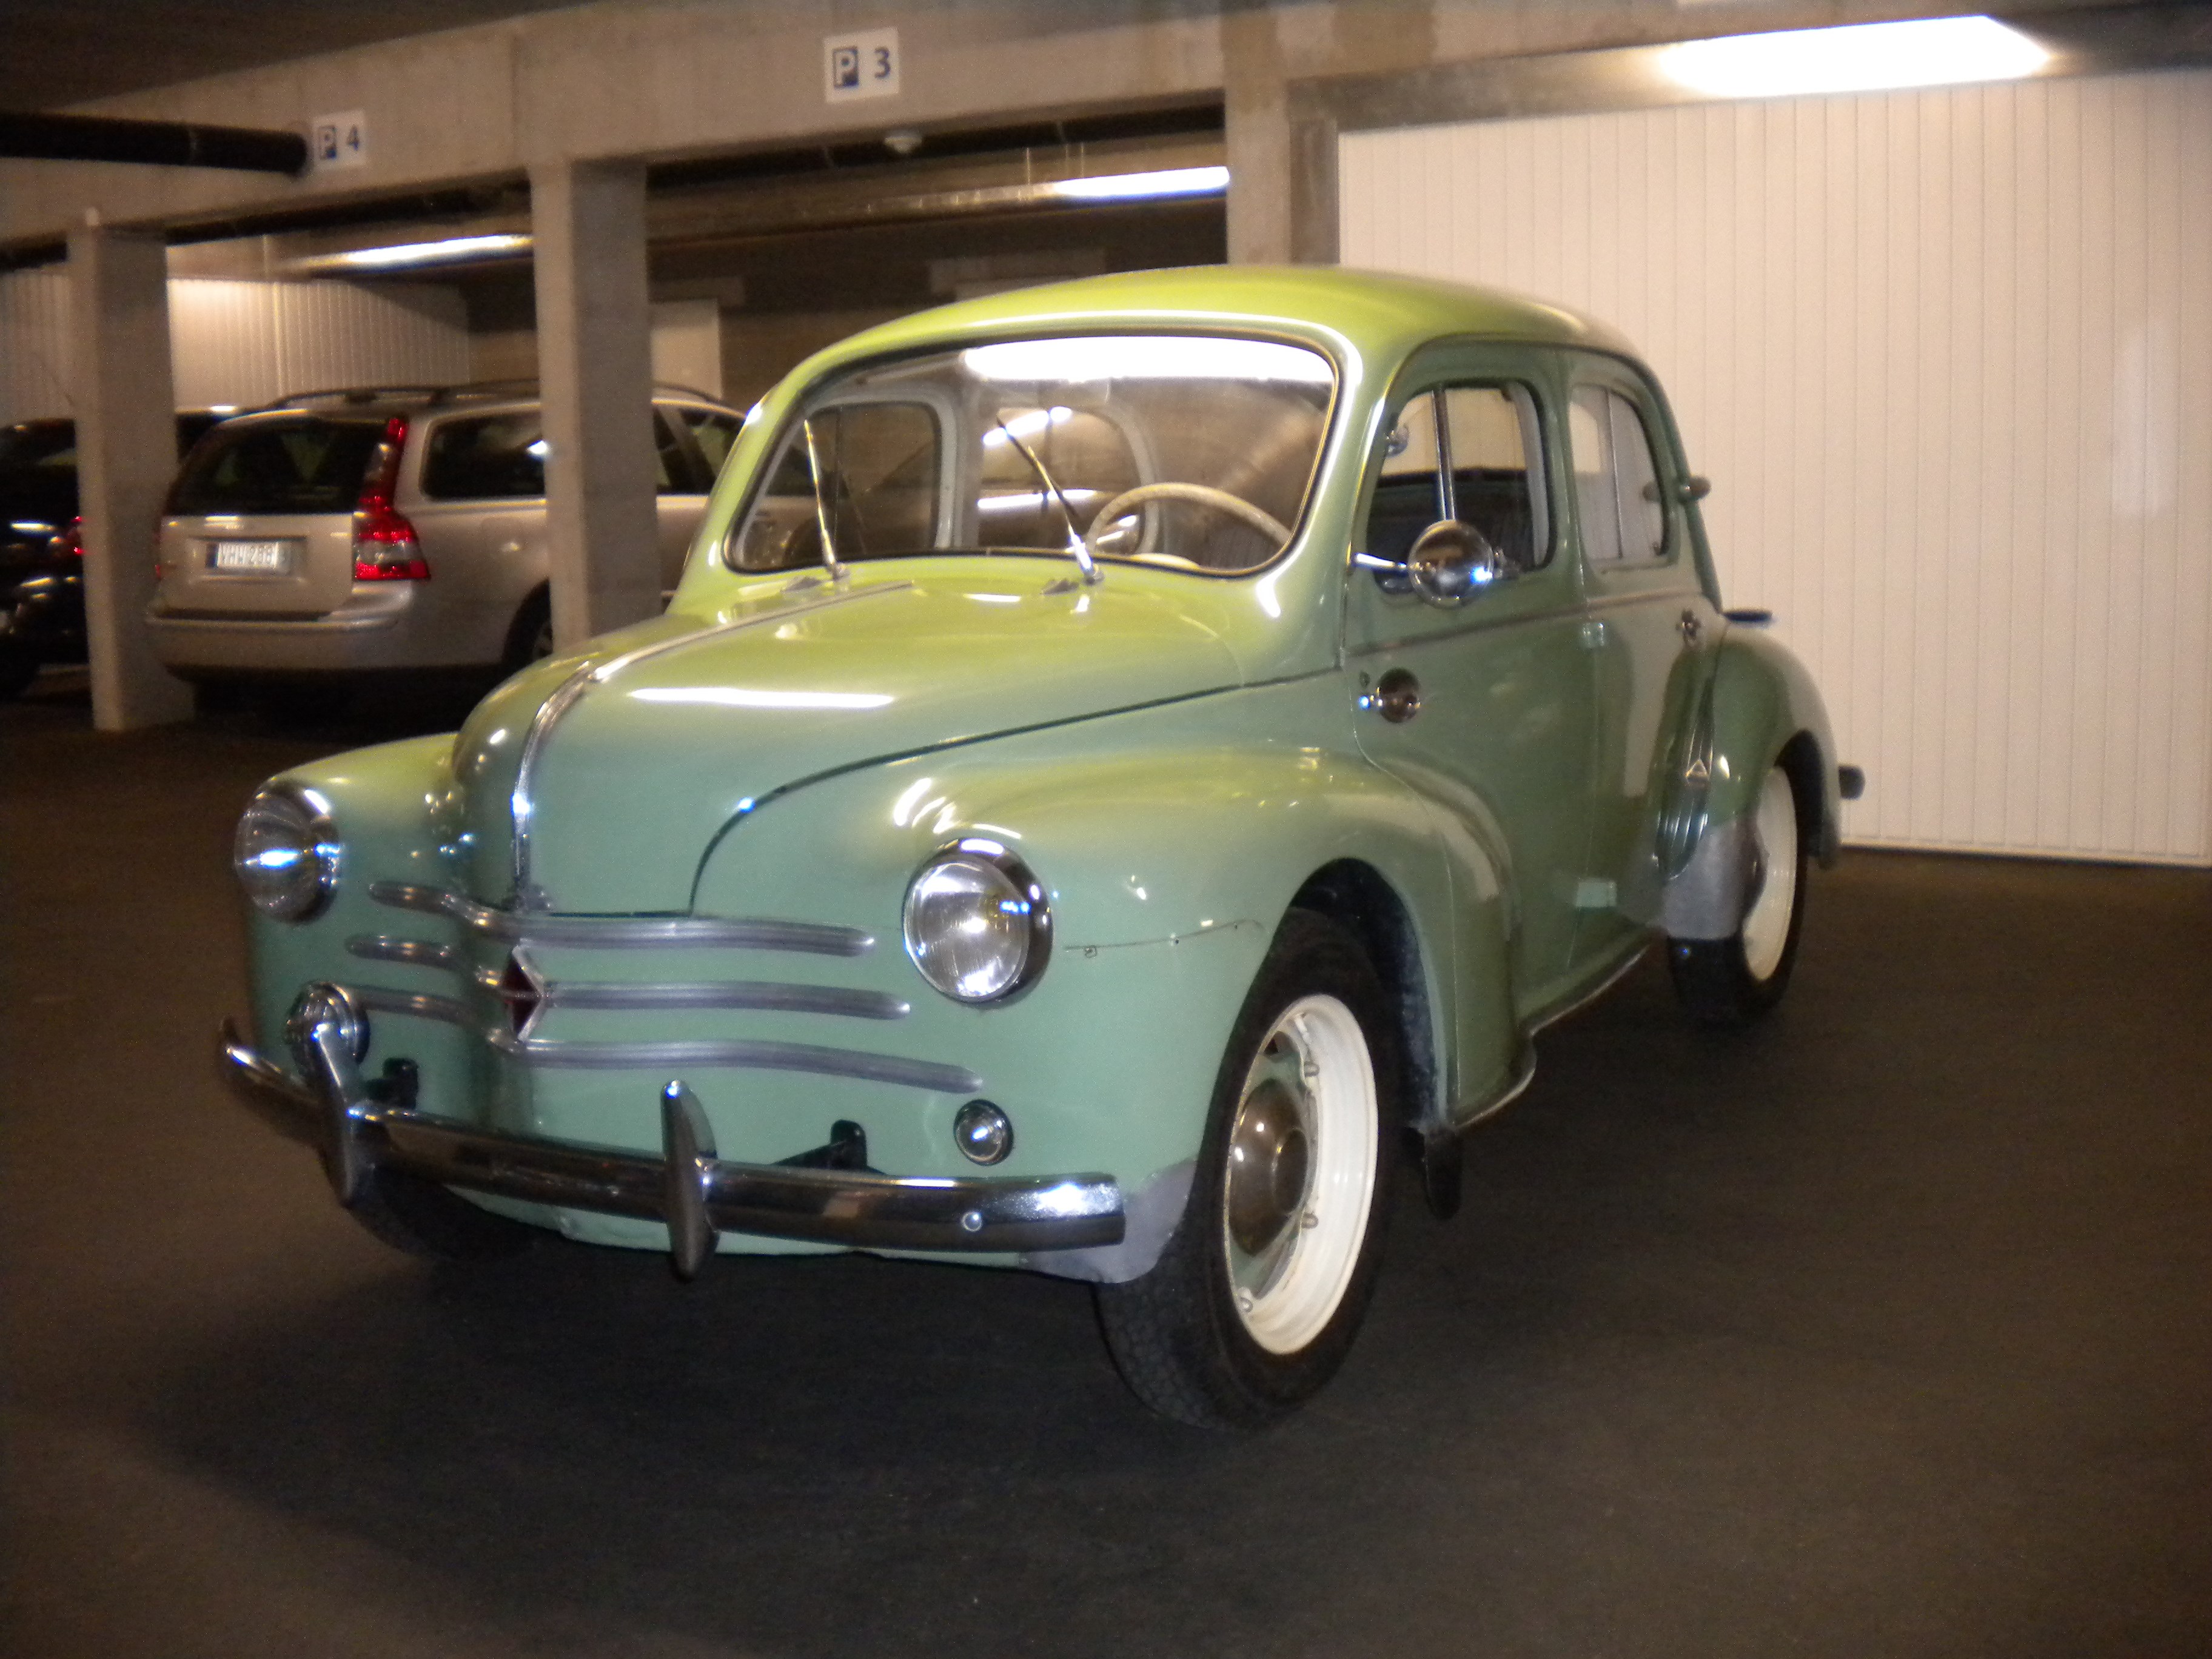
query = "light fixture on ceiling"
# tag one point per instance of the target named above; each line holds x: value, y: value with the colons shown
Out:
x: 403, y: 255
x: 1142, y: 186
x: 1932, y: 51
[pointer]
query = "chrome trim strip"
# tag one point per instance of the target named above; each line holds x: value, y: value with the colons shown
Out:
x: 869, y: 1211
x: 623, y: 932
x: 382, y: 947
x: 564, y: 696
x: 730, y: 994
x: 738, y: 1052
x: 375, y: 998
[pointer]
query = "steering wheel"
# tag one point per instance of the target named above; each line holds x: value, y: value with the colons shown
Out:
x: 1205, y: 494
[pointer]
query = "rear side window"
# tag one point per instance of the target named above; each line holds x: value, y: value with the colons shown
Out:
x: 501, y: 458
x: 486, y: 458
x: 1616, y: 481
x: 308, y: 464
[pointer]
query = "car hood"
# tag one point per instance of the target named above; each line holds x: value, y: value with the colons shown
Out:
x: 597, y: 784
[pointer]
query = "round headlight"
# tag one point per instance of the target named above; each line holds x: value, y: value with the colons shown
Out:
x: 287, y: 852
x: 977, y: 925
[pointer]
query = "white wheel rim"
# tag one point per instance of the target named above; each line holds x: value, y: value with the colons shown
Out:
x: 1286, y: 1294
x: 1766, y: 924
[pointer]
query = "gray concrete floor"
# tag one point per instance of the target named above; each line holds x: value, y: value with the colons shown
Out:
x: 1886, y: 1329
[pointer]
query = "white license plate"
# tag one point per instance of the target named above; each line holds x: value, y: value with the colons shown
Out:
x: 266, y: 558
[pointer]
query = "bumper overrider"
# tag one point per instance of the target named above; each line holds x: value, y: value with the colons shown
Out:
x: 698, y: 1195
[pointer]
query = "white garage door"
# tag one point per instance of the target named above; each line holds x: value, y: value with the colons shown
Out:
x: 1948, y: 357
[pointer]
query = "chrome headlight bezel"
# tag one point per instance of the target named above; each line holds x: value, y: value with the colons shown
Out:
x: 999, y: 868
x: 303, y: 826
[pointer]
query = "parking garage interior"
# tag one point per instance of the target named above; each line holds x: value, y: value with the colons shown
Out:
x: 1880, y: 1327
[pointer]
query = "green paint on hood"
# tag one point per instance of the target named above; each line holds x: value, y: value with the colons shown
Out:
x: 633, y: 780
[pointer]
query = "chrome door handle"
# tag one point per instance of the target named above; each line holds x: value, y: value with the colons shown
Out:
x: 1396, y: 696
x: 1691, y: 627
x: 1593, y: 633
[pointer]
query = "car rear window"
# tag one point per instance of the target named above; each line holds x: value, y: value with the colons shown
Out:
x: 307, y: 464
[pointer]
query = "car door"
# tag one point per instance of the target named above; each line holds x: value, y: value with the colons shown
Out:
x: 1651, y: 629
x: 1498, y: 727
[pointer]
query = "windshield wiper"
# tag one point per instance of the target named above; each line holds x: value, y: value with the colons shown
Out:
x: 1076, y: 544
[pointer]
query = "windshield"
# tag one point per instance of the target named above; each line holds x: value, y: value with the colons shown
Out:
x: 1024, y: 445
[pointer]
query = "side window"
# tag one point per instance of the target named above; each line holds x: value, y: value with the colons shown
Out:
x: 1491, y: 432
x: 1617, y: 491
x: 879, y: 470
x: 1472, y: 458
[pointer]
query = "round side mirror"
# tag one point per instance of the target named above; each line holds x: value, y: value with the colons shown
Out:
x: 1451, y: 563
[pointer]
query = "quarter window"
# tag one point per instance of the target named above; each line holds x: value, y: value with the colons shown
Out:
x: 486, y: 458
x: 1617, y: 493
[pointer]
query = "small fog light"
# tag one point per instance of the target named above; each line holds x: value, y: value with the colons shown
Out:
x: 982, y: 1133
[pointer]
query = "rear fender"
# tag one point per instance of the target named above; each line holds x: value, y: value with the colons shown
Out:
x: 1760, y: 709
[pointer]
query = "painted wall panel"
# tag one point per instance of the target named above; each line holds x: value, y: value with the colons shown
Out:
x: 243, y: 343
x: 1947, y: 356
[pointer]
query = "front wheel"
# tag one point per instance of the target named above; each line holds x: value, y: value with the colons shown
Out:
x: 1734, y: 981
x: 1256, y: 1300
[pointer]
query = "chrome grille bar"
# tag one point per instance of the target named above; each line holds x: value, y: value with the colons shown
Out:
x: 757, y: 1056
x: 733, y: 994
x: 382, y: 947
x: 623, y: 932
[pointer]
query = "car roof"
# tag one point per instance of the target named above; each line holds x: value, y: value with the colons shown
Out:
x: 1381, y: 314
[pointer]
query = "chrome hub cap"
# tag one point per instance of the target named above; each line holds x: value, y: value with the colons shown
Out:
x: 1300, y: 1173
x: 1268, y: 1167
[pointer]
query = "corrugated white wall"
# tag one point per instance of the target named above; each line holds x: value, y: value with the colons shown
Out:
x: 244, y: 343
x: 1947, y: 356
x: 33, y: 345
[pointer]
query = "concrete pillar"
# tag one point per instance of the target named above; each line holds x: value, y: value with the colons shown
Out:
x: 127, y: 453
x: 595, y: 365
x: 1256, y: 119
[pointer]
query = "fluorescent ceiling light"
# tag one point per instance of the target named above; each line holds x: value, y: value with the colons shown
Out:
x: 1142, y: 186
x: 424, y: 253
x: 1861, y: 57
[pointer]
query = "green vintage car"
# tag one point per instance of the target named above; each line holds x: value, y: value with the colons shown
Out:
x: 1129, y: 762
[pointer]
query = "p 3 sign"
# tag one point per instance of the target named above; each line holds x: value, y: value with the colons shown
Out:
x: 864, y: 65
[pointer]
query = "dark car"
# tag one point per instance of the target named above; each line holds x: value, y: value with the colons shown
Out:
x: 41, y: 553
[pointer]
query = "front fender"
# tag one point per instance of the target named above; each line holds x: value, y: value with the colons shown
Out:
x: 1170, y: 846
x: 384, y: 802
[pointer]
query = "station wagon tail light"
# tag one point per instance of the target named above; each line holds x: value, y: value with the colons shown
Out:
x: 977, y: 922
x: 384, y: 548
x: 287, y: 852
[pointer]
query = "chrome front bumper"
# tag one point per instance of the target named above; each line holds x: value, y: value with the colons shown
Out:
x: 697, y: 1195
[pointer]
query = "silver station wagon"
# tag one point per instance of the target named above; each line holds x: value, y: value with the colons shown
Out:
x: 346, y: 532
